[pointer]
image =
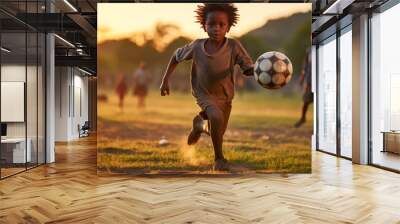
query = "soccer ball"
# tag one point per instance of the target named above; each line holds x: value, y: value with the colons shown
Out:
x: 273, y: 70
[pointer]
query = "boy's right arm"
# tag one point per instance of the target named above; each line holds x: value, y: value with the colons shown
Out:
x: 181, y: 54
x: 164, y: 88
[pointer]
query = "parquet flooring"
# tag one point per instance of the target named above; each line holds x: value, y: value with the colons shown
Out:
x: 70, y: 191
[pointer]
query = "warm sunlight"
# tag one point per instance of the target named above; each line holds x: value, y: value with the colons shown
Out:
x: 136, y: 20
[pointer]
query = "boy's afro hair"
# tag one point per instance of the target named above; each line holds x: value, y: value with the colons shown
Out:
x: 203, y: 10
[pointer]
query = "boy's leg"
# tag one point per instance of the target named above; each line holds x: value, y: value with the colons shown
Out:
x: 140, y: 102
x: 143, y: 101
x: 121, y: 101
x: 227, y: 112
x: 307, y: 100
x: 303, y: 115
x: 217, y: 128
x: 222, y: 164
x: 196, y: 131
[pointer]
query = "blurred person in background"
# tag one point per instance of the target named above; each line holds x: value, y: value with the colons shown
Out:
x: 141, y: 80
x: 121, y: 91
x: 305, y: 83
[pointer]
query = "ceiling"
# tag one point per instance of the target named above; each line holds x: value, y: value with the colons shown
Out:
x: 73, y: 21
x: 328, y: 13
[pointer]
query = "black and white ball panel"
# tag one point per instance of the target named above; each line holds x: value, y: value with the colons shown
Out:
x: 273, y: 70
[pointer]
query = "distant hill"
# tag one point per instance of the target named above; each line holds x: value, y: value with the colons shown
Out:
x: 277, y: 32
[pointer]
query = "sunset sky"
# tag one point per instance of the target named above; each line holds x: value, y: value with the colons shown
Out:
x: 122, y: 20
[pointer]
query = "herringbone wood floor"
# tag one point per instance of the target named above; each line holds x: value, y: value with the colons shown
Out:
x: 70, y: 191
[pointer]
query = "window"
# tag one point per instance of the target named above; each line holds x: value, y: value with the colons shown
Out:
x: 327, y: 95
x: 22, y: 92
x: 385, y: 89
x: 346, y: 92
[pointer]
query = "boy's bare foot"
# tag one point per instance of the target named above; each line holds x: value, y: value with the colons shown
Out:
x: 221, y: 165
x: 197, y: 129
x: 299, y: 123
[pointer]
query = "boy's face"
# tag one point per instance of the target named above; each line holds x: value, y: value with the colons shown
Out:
x: 217, y: 25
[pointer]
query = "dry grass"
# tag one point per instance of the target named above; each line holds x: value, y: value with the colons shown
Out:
x: 260, y: 135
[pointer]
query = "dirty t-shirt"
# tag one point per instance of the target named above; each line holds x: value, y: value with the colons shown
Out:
x: 212, y: 74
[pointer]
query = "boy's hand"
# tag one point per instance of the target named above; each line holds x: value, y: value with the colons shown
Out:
x: 164, y: 88
x: 249, y: 72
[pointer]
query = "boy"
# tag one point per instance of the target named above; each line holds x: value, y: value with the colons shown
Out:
x: 212, y: 77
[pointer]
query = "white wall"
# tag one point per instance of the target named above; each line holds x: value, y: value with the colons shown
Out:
x: 62, y: 81
x: 12, y: 73
x: 71, y: 94
x: 33, y: 126
x: 80, y: 110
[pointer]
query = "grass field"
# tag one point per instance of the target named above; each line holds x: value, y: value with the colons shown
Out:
x: 260, y: 136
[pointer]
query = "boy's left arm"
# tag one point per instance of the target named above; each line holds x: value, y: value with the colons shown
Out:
x: 244, y: 60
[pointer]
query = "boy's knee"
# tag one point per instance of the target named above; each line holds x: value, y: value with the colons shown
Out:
x: 214, y: 114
